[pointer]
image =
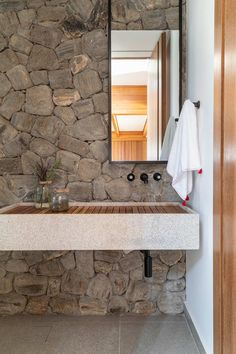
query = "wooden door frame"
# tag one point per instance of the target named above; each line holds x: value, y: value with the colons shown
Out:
x: 224, y: 244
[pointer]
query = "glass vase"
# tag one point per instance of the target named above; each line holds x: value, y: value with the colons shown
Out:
x: 43, y: 195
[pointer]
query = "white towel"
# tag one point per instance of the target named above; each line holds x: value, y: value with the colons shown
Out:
x: 168, y: 139
x: 185, y: 155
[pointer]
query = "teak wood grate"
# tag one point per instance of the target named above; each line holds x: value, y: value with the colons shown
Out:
x: 173, y: 209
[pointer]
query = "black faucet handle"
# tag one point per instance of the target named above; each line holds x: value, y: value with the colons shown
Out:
x: 144, y: 178
x: 157, y: 176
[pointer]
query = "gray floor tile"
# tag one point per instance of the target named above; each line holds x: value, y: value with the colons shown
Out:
x: 156, y: 338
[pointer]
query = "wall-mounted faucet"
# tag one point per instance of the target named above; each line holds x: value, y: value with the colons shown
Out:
x: 144, y: 178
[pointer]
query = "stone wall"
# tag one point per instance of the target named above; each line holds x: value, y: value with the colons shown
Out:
x: 54, y: 97
x: 54, y: 105
x: 90, y: 283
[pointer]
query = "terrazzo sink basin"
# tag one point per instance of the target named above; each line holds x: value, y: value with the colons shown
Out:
x: 100, y: 226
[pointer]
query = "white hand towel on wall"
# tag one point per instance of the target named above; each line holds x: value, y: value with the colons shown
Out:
x: 185, y: 155
x: 168, y: 139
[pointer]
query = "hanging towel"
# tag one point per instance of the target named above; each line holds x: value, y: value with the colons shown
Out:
x: 168, y: 139
x: 185, y: 155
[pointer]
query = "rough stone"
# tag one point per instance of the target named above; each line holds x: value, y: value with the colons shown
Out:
x: 172, y: 18
x: 66, y: 305
x: 88, y: 170
x: 174, y: 285
x: 54, y: 286
x: 32, y: 285
x: 99, y: 192
x: 73, y: 282
x: 2, y: 272
x: 73, y: 27
x: 118, y: 304
x: 137, y: 274
x: 33, y: 257
x: 8, y: 22
x: 100, y: 101
x: 12, y: 103
x: 79, y: 63
x: 66, y: 114
x: 170, y: 257
x: 3, y: 42
x: 20, y: 44
x: 83, y: 108
x: 171, y: 302
x: 39, y: 100
x: 51, y: 13
x: 68, y: 161
x: 17, y: 255
x: 90, y: 306
x: 84, y: 263
x: 160, y: 271
x: 6, y: 284
x: 50, y: 255
x: 102, y: 267
x: 119, y: 190
x: 80, y: 191
x: 131, y: 261
x: 100, y: 287
x: 48, y: 37
x: 68, y: 261
x: 60, y: 79
x: 48, y: 128
x: 95, y: 44
x: 22, y: 185
x: 39, y: 77
x: 65, y: 97
x: 103, y: 68
x: 69, y: 49
x: 153, y: 19
x: 83, y: 8
x: 26, y: 17
x: 156, y: 4
x: 37, y: 305
x: 4, y: 255
x: 19, y: 77
x: 90, y: 129
x: 108, y: 256
x: 42, y: 58
x: 17, y: 146
x: 29, y: 160
x: 12, y: 304
x: 23, y: 121
x: 16, y: 266
x: 50, y: 268
x: 124, y: 12
x: 177, y: 271
x: 144, y: 308
x: 8, y: 132
x: 119, y: 282
x: 71, y: 144
x: 99, y: 149
x: 88, y: 83
x: 11, y: 166
x: 141, y: 290
x: 42, y: 147
x: 5, y: 85
x: 8, y: 59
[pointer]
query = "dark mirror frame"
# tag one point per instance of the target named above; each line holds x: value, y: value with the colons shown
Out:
x: 109, y: 82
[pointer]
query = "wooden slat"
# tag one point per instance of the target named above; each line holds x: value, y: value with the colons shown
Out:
x: 131, y: 209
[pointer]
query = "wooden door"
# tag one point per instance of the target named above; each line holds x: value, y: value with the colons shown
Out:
x: 153, y: 105
x: 225, y: 179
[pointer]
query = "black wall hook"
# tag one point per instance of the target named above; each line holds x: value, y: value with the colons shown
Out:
x: 144, y: 178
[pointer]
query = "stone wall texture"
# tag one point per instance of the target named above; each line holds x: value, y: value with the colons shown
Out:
x: 54, y: 97
x: 54, y: 105
x: 90, y: 283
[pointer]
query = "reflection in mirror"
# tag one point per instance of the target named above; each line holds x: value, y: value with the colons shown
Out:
x: 144, y: 94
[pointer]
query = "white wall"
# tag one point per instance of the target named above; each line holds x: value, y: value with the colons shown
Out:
x: 200, y: 44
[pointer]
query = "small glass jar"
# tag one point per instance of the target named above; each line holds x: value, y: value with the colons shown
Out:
x: 60, y: 200
x: 42, y: 197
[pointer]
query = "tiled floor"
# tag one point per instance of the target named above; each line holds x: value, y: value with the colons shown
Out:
x: 96, y: 335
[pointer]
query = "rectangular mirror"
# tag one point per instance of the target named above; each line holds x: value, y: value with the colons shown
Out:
x: 144, y: 93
